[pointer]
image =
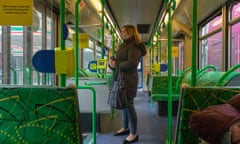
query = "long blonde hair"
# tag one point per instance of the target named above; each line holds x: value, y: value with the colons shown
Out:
x: 132, y: 31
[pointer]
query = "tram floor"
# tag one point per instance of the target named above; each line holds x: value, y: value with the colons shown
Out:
x: 152, y: 128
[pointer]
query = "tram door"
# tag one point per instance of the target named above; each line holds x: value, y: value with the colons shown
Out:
x: 140, y: 74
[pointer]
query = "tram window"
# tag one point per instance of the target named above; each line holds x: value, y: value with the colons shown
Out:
x: 235, y: 44
x: 235, y: 35
x: 37, y: 35
x: 98, y: 47
x: 68, y: 43
x: 212, y: 25
x: 43, y: 38
x: 235, y: 11
x: 211, y: 43
x: 91, y: 44
x: 37, y: 43
x: 49, y: 33
x: 16, y: 63
x: 211, y: 48
x: 98, y: 55
x: 87, y: 56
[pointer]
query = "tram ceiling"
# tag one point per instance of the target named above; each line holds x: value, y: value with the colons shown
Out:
x: 145, y: 15
x: 141, y: 13
x: 182, y: 17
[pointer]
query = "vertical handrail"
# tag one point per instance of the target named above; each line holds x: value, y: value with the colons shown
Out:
x: 157, y: 52
x: 93, y: 105
x: 76, y: 75
x: 14, y: 75
x: 38, y: 78
x: 27, y: 76
x: 179, y: 130
x: 93, y: 110
x: 194, y: 43
x: 152, y: 56
x: 150, y: 62
x: 160, y: 51
x: 113, y: 54
x: 62, y: 41
x: 169, y: 136
x: 47, y: 78
x: 113, y: 40
x: 103, y: 27
x: 76, y: 42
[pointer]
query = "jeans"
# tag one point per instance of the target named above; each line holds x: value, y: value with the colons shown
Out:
x: 129, y: 116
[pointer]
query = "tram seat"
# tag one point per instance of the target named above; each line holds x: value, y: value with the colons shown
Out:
x: 235, y: 81
x: 85, y: 100
x: 213, y: 78
x: 86, y: 73
x: 202, y: 76
x: 159, y: 93
x: 194, y: 99
x: 36, y: 114
x: 85, y: 96
x: 209, y: 78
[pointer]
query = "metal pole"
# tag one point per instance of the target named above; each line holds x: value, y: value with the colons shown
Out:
x: 14, y: 75
x: 150, y: 62
x: 152, y: 56
x: 62, y: 41
x: 157, y: 52
x: 113, y: 54
x: 93, y: 110
x: 169, y: 137
x: 38, y: 78
x: 103, y: 25
x: 27, y: 76
x: 194, y: 43
x: 160, y: 51
x: 113, y: 40
x: 76, y: 42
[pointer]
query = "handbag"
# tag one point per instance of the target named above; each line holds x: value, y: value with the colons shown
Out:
x: 118, y: 94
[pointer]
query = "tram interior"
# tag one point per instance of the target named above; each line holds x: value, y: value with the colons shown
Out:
x: 38, y: 105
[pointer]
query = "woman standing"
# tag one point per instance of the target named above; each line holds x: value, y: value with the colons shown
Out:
x: 126, y: 62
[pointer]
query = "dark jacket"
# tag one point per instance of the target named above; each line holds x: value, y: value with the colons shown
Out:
x: 213, y: 122
x: 128, y: 56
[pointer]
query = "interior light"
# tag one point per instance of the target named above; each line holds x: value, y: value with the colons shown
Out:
x: 166, y: 18
x: 177, y: 2
x: 97, y: 5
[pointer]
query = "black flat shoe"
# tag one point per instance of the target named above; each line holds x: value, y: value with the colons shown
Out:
x: 132, y: 141
x: 126, y: 132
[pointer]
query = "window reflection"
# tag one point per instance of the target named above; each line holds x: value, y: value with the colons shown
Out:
x: 212, y: 50
x: 16, y: 58
x: 235, y: 11
x: 211, y: 44
x: 88, y: 56
x: 212, y: 25
x: 235, y: 36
